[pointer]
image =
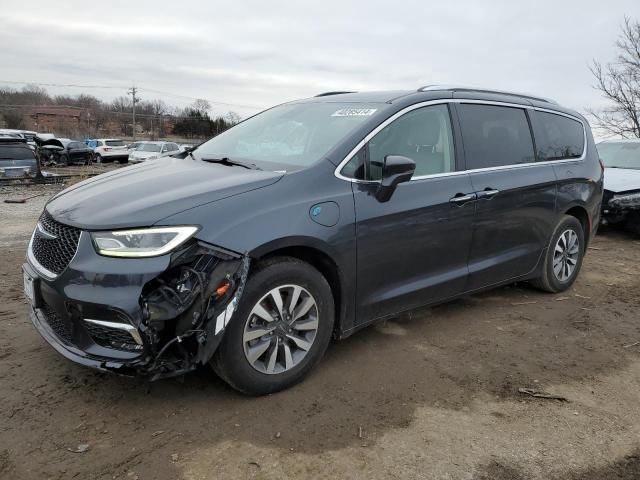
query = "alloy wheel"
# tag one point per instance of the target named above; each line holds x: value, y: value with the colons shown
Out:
x: 280, y: 329
x: 566, y: 255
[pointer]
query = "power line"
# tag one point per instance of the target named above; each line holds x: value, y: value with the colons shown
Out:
x: 160, y: 92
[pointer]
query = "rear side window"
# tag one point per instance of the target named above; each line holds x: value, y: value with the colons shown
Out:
x: 495, y: 136
x: 14, y: 152
x: 558, y: 137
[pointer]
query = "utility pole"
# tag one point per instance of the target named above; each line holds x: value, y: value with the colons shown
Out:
x: 132, y: 91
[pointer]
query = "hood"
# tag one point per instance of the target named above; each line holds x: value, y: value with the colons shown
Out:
x: 49, y: 142
x: 618, y: 180
x: 142, y: 195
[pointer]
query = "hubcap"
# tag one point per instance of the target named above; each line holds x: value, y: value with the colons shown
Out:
x: 565, y: 255
x: 280, y: 329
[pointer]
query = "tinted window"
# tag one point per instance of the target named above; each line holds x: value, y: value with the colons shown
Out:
x: 620, y: 154
x: 558, y: 137
x: 76, y: 145
x: 423, y: 135
x: 15, y: 152
x: 114, y: 143
x: 495, y: 136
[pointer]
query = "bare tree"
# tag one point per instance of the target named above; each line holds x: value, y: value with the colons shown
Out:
x: 201, y: 105
x: 232, y: 117
x: 619, y: 83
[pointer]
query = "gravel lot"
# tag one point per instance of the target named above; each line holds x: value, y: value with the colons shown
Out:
x: 431, y: 395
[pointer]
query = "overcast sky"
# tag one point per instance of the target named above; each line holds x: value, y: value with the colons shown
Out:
x: 257, y: 53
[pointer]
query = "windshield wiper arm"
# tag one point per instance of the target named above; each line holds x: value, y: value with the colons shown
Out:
x: 227, y: 161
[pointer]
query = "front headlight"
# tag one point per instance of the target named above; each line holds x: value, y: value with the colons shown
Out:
x: 144, y: 242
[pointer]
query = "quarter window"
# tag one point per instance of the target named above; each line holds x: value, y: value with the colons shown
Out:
x: 558, y: 137
x: 495, y: 136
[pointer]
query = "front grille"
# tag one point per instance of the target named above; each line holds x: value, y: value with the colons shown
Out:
x: 54, y: 253
x: 111, y: 337
x: 58, y: 325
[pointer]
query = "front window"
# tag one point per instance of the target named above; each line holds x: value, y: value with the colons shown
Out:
x: 620, y: 154
x: 424, y: 135
x: 148, y: 147
x: 289, y: 136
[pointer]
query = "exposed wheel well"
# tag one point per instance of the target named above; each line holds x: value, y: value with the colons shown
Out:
x: 320, y: 261
x: 583, y: 217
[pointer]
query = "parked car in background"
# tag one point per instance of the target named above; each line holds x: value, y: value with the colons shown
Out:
x: 28, y: 135
x: 621, y: 202
x: 132, y: 146
x: 307, y: 222
x: 108, y: 150
x: 153, y: 150
x: 17, y: 158
x: 63, y: 151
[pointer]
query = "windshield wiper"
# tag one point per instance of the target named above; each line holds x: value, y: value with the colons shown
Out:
x: 230, y: 163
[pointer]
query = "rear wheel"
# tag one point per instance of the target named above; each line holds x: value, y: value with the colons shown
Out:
x: 98, y: 158
x: 280, y: 330
x: 564, y: 256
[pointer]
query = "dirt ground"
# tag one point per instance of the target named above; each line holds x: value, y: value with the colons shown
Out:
x: 431, y: 395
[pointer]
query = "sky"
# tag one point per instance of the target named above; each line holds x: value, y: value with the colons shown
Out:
x: 248, y: 55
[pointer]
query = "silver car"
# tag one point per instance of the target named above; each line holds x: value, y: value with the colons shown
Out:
x: 153, y: 150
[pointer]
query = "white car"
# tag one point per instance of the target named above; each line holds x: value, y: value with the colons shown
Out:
x: 153, y: 150
x: 110, y: 150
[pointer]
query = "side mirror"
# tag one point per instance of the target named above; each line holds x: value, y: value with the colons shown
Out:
x: 396, y: 169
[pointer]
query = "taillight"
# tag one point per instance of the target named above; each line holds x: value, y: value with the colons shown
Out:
x: 106, y: 149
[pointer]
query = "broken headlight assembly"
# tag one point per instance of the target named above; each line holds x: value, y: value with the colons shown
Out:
x: 143, y: 242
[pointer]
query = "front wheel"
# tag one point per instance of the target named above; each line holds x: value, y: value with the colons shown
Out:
x: 280, y: 330
x: 564, y: 256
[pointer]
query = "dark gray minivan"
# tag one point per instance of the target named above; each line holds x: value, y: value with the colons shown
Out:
x: 309, y: 221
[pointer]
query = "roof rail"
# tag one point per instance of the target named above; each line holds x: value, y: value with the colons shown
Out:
x: 457, y: 88
x: 326, y: 94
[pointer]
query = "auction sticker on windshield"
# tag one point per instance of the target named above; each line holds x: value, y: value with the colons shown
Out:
x: 354, y: 112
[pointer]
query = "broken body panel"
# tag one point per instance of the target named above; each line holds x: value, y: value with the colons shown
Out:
x: 162, y: 317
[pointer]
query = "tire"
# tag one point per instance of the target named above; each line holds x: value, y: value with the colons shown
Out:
x: 98, y: 158
x: 632, y: 223
x: 64, y: 160
x: 231, y: 361
x: 553, y: 282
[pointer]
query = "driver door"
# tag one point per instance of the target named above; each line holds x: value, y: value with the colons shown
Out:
x: 413, y: 249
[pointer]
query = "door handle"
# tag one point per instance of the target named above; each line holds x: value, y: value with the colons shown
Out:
x: 461, y: 198
x: 487, y: 193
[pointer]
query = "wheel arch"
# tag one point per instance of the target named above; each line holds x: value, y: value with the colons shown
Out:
x: 581, y: 213
x: 318, y: 255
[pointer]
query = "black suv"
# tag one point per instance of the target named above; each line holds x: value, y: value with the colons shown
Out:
x: 310, y: 220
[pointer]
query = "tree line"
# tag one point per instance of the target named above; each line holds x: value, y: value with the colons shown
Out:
x: 154, y: 117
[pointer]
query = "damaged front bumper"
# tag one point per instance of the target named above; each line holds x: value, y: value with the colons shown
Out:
x: 616, y: 208
x: 156, y: 317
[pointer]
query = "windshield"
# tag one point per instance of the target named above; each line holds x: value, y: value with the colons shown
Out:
x: 292, y: 135
x: 148, y: 147
x: 620, y: 154
x: 114, y: 143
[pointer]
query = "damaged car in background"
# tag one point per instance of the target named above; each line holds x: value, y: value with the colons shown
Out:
x: 621, y: 201
x: 63, y: 151
x: 309, y: 221
x: 17, y: 159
